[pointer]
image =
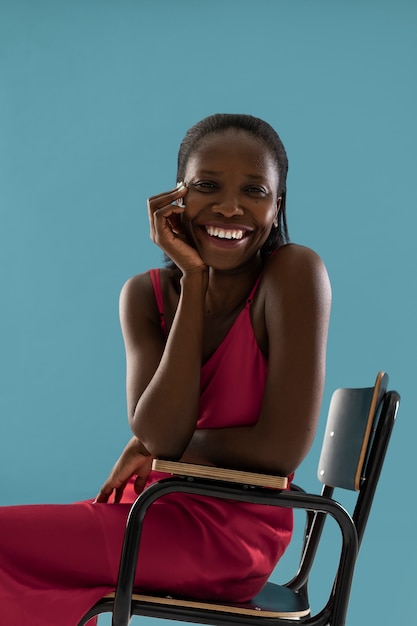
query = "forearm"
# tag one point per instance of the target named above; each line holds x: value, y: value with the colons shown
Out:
x: 166, y: 413
x: 245, y: 448
x: 235, y: 448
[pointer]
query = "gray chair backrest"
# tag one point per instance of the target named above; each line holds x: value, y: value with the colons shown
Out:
x: 351, y: 421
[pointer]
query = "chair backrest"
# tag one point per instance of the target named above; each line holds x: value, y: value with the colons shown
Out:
x: 357, y: 434
x: 351, y: 425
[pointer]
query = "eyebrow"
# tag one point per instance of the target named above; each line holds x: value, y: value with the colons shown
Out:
x: 219, y: 173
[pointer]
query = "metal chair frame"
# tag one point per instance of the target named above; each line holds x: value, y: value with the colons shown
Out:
x: 317, y: 507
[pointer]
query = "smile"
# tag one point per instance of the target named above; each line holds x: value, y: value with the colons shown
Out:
x: 223, y: 233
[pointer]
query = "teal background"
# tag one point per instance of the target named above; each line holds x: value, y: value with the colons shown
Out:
x: 95, y: 96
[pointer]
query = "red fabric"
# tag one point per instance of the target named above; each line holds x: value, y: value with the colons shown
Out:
x: 56, y: 561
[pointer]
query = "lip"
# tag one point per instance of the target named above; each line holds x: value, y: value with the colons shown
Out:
x: 225, y: 243
x: 228, y: 226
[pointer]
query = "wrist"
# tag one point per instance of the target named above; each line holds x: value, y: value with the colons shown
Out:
x: 196, y: 278
x: 138, y: 447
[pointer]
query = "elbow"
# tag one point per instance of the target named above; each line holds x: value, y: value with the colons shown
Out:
x: 167, y: 445
x: 282, y: 466
x: 167, y: 453
x: 290, y: 461
x: 284, y: 456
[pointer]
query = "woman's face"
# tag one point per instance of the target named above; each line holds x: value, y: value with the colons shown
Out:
x: 232, y: 199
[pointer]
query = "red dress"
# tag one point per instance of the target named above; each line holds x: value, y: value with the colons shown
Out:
x: 56, y: 561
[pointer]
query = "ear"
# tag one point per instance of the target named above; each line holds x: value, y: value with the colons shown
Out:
x: 277, y: 211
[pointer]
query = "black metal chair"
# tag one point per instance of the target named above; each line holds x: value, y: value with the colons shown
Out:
x: 357, y: 434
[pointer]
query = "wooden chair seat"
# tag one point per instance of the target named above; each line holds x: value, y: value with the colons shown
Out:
x: 273, y: 601
x: 220, y: 473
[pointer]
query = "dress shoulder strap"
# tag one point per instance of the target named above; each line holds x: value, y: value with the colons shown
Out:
x: 255, y: 286
x: 157, y: 288
x: 251, y: 296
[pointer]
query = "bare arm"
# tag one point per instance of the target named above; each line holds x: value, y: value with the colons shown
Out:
x: 163, y: 379
x: 163, y: 382
x: 297, y: 308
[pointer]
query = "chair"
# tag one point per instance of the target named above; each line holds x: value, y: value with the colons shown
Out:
x: 357, y: 434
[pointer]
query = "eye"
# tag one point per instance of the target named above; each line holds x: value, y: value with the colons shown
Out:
x: 257, y: 190
x: 205, y: 185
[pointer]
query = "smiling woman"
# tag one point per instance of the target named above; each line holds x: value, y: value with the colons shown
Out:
x: 225, y: 353
x: 232, y: 197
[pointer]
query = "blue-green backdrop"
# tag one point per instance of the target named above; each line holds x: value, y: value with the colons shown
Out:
x: 95, y: 96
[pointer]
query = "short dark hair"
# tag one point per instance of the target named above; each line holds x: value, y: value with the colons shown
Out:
x: 221, y: 122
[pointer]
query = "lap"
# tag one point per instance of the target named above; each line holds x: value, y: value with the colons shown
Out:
x: 190, y: 544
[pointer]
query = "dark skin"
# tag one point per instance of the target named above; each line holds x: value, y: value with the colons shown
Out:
x: 231, y: 204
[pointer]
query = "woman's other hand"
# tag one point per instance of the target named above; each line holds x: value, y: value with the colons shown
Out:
x: 134, y: 460
x: 167, y: 232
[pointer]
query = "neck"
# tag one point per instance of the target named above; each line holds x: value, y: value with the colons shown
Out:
x: 228, y: 290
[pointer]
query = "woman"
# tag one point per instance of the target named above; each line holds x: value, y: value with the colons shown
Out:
x: 225, y: 353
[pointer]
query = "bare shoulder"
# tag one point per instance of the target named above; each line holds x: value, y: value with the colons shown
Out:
x: 137, y: 301
x: 294, y: 257
x: 137, y: 288
x: 296, y: 268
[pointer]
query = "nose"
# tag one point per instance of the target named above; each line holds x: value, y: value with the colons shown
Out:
x: 228, y: 206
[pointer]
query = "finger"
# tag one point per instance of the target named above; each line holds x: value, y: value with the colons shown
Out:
x: 166, y: 197
x: 162, y: 221
x: 108, y: 488
x: 164, y: 210
x: 175, y: 223
x: 162, y: 215
x: 118, y: 493
x: 139, y: 484
x: 164, y: 202
x: 103, y: 495
x: 160, y: 212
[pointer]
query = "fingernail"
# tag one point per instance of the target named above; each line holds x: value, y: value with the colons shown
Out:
x: 180, y: 185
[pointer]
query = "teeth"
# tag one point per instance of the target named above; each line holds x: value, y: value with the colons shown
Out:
x: 213, y: 231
